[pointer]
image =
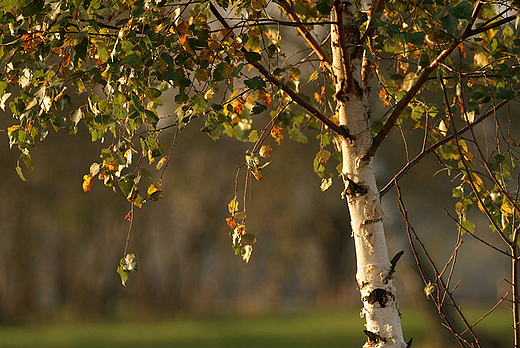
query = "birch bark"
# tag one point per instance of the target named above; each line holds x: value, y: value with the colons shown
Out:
x: 374, y: 269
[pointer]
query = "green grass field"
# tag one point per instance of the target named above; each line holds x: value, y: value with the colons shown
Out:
x: 311, y: 329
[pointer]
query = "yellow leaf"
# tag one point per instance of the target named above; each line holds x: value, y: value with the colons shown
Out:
x: 314, y: 76
x: 209, y: 94
x: 482, y: 59
x: 507, y: 209
x: 233, y: 205
x: 155, y: 191
x: 12, y: 129
x: 87, y: 183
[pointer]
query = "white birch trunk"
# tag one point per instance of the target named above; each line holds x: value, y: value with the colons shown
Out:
x: 374, y: 269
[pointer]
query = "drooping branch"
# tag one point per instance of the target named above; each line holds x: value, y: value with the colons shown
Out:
x: 275, y: 81
x: 423, y: 77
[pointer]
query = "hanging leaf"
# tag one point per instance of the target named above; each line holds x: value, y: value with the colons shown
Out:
x: 233, y: 206
x: 126, y: 265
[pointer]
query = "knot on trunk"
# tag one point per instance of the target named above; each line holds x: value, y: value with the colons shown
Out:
x: 353, y: 189
x: 380, y: 296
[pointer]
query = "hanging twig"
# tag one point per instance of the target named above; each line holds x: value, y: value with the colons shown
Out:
x: 439, y: 282
x: 130, y: 218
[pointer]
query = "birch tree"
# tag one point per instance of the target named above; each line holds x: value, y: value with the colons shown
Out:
x: 261, y: 71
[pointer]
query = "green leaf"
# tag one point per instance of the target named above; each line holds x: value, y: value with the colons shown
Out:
x: 451, y: 25
x: 429, y: 289
x: 123, y: 274
x: 199, y: 104
x: 240, y: 216
x: 253, y: 136
x: 126, y: 265
x: 127, y: 183
x: 463, y: 10
x: 256, y: 83
x: 20, y: 174
x: 467, y: 226
x: 324, y: 6
x: 103, y: 53
x: 416, y: 38
x: 132, y: 59
x: 26, y: 158
x: 253, y: 56
x: 153, y: 93
x: 249, y: 238
x: 504, y: 93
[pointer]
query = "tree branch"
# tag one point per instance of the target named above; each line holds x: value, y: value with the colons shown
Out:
x: 438, y: 279
x: 478, y: 238
x: 433, y: 147
x: 401, y: 105
x: 311, y: 41
x: 376, y: 7
x: 274, y: 80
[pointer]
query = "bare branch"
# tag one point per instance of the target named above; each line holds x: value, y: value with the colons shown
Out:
x: 477, y: 237
x: 488, y: 312
x: 438, y: 280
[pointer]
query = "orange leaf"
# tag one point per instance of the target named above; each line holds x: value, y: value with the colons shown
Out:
x: 277, y: 134
x: 257, y: 176
x: 231, y: 222
x: 383, y: 97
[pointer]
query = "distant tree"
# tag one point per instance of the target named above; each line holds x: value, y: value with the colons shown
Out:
x: 237, y: 64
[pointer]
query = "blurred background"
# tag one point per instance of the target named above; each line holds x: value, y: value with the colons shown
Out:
x: 60, y: 247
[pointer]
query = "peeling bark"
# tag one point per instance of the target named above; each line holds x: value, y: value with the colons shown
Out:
x: 374, y: 269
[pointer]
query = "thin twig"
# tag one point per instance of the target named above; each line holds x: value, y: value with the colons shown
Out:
x: 170, y: 154
x: 488, y: 312
x: 477, y: 237
x: 438, y: 280
x: 130, y: 218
